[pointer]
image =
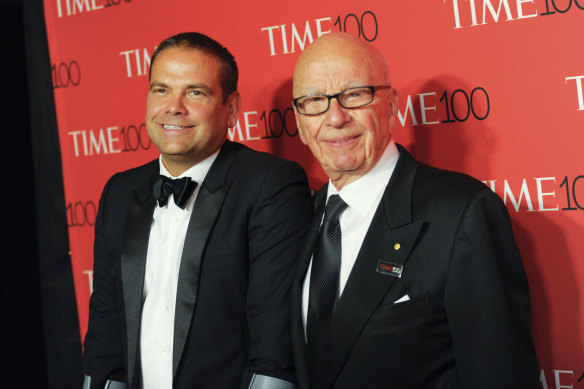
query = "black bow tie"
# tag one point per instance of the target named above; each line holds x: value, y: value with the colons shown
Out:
x: 181, y: 188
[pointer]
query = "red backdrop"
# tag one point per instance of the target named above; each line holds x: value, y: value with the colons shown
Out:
x: 493, y: 88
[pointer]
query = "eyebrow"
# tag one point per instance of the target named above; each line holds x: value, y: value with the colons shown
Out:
x: 204, y: 87
x: 312, y: 90
x: 200, y: 86
x: 155, y: 84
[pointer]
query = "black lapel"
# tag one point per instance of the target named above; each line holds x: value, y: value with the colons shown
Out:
x: 305, y: 256
x: 319, y: 202
x: 133, y: 263
x: 365, y: 288
x: 205, y: 211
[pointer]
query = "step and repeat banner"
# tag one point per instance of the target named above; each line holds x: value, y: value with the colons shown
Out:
x: 492, y: 88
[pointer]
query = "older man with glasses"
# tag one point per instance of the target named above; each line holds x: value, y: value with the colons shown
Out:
x: 410, y: 276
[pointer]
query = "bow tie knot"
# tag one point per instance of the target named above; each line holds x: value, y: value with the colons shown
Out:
x: 181, y: 189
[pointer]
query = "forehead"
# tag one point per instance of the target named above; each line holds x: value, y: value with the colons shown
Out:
x: 330, y: 71
x: 182, y: 62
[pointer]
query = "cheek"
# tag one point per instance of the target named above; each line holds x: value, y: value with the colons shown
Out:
x: 152, y: 109
x: 311, y: 137
x: 377, y: 132
x: 301, y: 134
x: 305, y: 130
x: 208, y: 114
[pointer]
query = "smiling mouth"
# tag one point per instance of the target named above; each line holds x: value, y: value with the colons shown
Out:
x: 342, y: 141
x: 175, y: 127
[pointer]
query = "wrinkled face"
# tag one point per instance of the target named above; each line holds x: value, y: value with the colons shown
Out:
x: 347, y: 142
x: 185, y: 114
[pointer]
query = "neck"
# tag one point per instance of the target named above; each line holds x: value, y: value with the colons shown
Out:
x: 176, y: 168
x: 343, y: 181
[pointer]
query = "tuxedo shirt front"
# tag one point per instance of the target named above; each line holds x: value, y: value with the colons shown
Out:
x: 165, y: 246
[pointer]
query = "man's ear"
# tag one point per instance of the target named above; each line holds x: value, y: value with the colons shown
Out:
x: 296, y: 115
x: 234, y: 106
x: 393, y: 96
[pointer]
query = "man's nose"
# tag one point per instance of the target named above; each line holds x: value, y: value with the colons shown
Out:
x: 336, y: 115
x: 175, y: 105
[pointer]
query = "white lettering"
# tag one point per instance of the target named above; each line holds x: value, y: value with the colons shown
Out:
x: 520, y: 9
x: 541, y: 193
x: 461, y: 10
x: 59, y: 10
x: 95, y: 7
x: 138, y: 62
x: 456, y: 14
x: 128, y: 66
x: 424, y: 108
x: 557, y: 378
x: 542, y: 380
x: 231, y: 132
x: 100, y: 142
x: 410, y: 109
x: 473, y: 12
x: 271, y: 38
x: 491, y: 184
x: 111, y: 139
x: 319, y: 31
x: 90, y: 278
x: 95, y: 144
x: 296, y: 36
x: 142, y: 61
x: 524, y: 191
x: 578, y: 90
x: 495, y: 15
x: 146, y: 60
x: 248, y: 125
x: 75, y: 145
x: 79, y: 4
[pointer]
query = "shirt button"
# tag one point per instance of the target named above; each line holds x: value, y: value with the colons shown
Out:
x: 164, y: 352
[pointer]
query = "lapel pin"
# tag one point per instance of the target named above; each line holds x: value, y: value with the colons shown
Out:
x: 396, y: 246
x: 390, y: 269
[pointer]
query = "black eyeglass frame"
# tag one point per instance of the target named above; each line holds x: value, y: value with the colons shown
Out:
x: 336, y: 96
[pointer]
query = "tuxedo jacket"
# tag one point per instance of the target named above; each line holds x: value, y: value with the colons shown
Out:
x: 232, y: 304
x: 467, y: 321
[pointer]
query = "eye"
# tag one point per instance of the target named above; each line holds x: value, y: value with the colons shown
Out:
x: 356, y: 93
x: 317, y: 99
x: 311, y: 100
x: 196, y: 93
x: 158, y: 91
x: 356, y: 97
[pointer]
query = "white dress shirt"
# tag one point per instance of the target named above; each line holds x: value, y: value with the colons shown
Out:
x: 165, y: 246
x: 362, y: 197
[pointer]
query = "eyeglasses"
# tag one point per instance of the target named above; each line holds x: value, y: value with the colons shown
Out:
x: 349, y: 98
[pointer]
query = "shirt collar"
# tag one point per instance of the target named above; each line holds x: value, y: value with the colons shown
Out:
x: 364, y: 193
x: 197, y: 172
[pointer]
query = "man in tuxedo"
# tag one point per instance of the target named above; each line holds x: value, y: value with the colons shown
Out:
x: 194, y: 251
x: 410, y: 277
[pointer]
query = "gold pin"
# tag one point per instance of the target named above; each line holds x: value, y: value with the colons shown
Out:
x: 396, y: 246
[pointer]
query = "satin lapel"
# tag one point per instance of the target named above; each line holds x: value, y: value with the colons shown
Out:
x: 133, y: 264
x: 205, y: 211
x: 305, y: 256
x: 365, y: 288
